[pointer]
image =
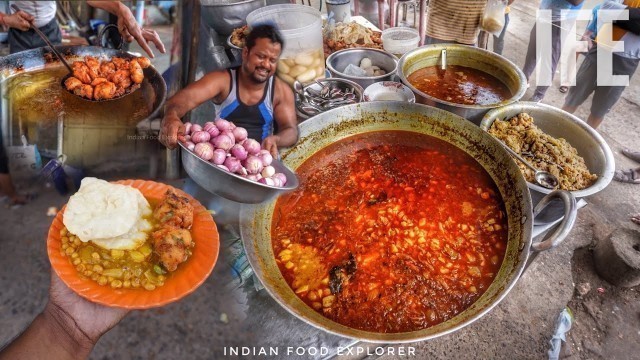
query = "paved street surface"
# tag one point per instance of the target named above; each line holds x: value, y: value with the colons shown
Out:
x: 606, y: 321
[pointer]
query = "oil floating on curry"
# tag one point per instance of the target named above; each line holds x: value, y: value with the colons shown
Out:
x: 382, y: 236
x: 460, y: 85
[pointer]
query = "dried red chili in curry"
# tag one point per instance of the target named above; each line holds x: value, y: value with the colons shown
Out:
x: 390, y: 231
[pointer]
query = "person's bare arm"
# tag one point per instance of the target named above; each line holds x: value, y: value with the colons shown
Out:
x: 187, y: 99
x: 67, y: 328
x: 128, y: 27
x: 284, y: 113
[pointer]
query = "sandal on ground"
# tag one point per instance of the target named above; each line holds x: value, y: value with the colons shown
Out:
x: 636, y: 218
x: 628, y: 176
x: 564, y: 89
x: 633, y: 155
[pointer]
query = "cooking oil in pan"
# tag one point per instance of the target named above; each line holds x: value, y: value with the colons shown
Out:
x: 34, y: 103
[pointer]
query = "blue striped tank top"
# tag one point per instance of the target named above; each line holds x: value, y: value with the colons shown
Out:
x: 258, y: 118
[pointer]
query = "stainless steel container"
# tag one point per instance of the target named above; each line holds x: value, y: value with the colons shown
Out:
x: 486, y: 61
x: 339, y: 60
x: 331, y: 126
x: 226, y: 15
x: 560, y: 124
x: 231, y: 186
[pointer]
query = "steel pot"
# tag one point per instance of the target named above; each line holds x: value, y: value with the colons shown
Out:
x: 326, y: 128
x: 560, y: 124
x: 463, y: 55
x: 226, y: 15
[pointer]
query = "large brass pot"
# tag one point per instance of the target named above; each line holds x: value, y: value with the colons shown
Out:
x: 326, y: 128
x: 463, y: 55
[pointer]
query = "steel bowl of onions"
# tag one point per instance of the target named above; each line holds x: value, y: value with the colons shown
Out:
x: 220, y: 158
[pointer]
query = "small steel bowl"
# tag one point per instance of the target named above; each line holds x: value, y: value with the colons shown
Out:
x: 339, y: 60
x: 342, y: 84
x: 231, y: 186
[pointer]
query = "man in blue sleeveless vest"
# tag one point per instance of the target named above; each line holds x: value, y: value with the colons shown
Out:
x: 249, y: 95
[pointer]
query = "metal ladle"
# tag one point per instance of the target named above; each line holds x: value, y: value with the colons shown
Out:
x: 543, y: 178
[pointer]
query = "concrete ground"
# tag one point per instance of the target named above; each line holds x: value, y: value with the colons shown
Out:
x: 606, y: 319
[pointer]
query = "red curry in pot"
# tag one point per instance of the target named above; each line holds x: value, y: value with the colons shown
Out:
x: 390, y: 231
x: 460, y: 85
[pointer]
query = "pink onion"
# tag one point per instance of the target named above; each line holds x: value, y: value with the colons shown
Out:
x: 195, y: 127
x: 276, y: 181
x: 252, y: 146
x: 208, y: 125
x: 231, y: 136
x: 187, y: 138
x: 268, y: 171
x: 187, y: 128
x: 283, y: 178
x: 223, y: 167
x: 240, y: 133
x: 200, y: 137
x: 222, y: 141
x: 253, y: 164
x: 266, y: 181
x: 190, y: 145
x: 212, y: 130
x: 233, y: 164
x: 223, y: 125
x: 204, y: 150
x: 238, y: 151
x: 265, y: 157
x: 219, y: 156
x: 254, y: 177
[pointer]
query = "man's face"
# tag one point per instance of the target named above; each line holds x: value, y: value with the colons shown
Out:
x: 260, y: 62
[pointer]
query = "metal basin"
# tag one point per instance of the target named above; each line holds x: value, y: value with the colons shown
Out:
x: 34, y: 102
x: 560, y: 124
x: 231, y: 186
x: 226, y: 15
x: 339, y: 60
x: 486, y: 61
x: 334, y: 125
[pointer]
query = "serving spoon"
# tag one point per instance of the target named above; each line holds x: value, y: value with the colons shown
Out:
x: 543, y: 178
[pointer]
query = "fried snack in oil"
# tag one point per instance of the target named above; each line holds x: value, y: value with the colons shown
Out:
x: 120, y: 75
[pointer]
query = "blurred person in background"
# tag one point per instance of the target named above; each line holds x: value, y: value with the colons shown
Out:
x: 557, y: 19
x: 454, y: 21
x: 498, y: 41
x: 43, y: 15
x: 624, y: 63
x: 589, y: 36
